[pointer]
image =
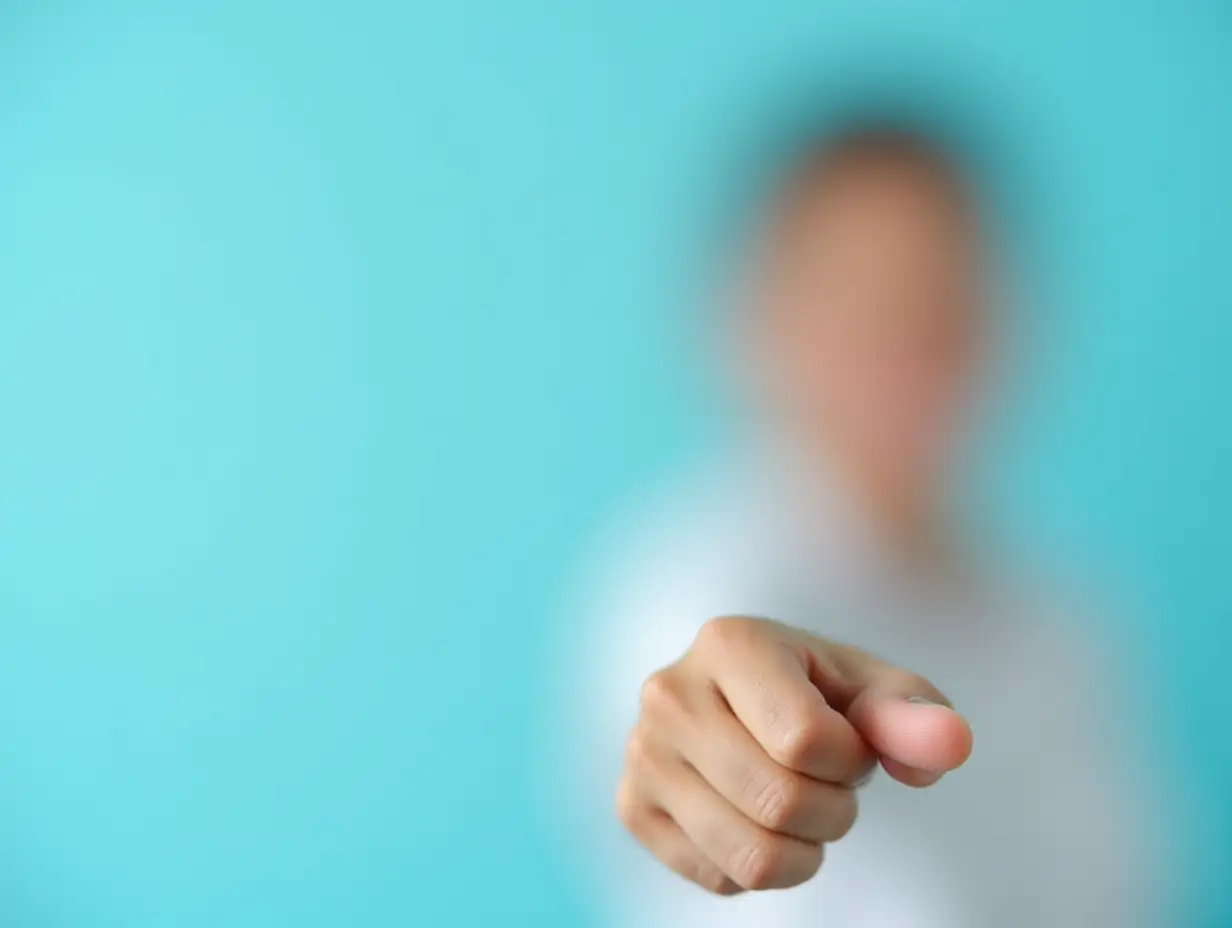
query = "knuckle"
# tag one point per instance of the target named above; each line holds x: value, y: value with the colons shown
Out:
x: 661, y: 694
x: 776, y: 800
x: 756, y: 865
x: 801, y: 740
x: 629, y: 810
x: 725, y: 631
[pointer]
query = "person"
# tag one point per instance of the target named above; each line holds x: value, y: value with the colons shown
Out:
x: 844, y: 697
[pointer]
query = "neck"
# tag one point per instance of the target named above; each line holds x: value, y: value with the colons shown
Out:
x: 906, y: 511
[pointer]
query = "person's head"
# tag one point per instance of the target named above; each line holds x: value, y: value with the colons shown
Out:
x: 868, y: 302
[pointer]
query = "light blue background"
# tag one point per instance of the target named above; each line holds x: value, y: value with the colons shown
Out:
x: 329, y: 332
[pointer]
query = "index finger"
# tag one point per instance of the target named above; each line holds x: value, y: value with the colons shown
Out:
x: 765, y: 681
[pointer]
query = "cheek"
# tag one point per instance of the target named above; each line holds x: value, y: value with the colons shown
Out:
x: 838, y: 388
x: 904, y: 391
x: 905, y: 401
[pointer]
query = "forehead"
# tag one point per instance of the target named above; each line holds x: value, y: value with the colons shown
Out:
x: 869, y: 195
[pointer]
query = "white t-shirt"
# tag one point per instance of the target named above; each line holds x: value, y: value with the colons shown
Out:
x: 1044, y: 825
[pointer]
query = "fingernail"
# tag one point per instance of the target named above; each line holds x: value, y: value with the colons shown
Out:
x: 921, y: 701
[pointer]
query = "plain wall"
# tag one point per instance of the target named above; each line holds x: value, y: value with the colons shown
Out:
x: 330, y: 333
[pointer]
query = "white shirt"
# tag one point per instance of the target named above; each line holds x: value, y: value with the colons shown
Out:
x: 1044, y: 825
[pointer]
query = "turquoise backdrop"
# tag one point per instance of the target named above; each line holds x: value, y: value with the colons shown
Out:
x: 329, y: 332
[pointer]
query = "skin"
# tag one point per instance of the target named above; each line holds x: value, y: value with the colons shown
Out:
x: 867, y: 336
x: 869, y: 329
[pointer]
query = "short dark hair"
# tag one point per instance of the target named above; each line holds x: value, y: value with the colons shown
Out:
x: 877, y: 148
x: 920, y: 117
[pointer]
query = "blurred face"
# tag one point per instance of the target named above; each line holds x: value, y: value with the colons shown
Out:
x: 872, y: 316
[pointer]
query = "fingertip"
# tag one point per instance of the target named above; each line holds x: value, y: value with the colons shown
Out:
x: 964, y: 742
x: 945, y: 739
x: 926, y: 737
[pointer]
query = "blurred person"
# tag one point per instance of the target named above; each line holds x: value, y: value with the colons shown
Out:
x: 784, y: 660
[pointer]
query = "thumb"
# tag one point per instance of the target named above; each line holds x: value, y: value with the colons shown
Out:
x: 917, y: 734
